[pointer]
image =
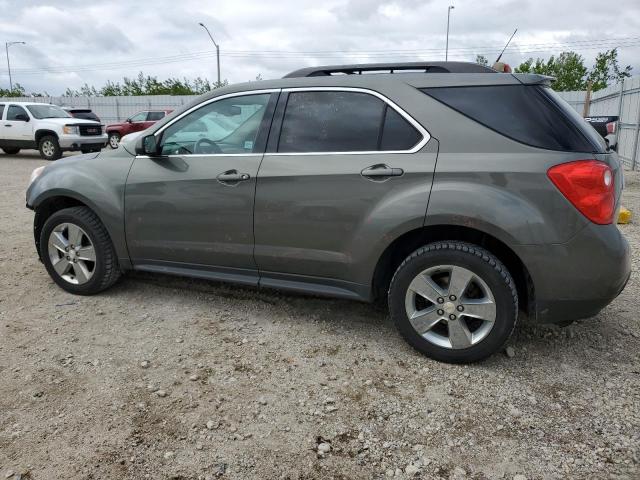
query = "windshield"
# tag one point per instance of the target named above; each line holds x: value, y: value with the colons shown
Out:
x: 47, y: 111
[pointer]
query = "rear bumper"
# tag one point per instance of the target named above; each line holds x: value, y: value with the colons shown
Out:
x: 577, y: 279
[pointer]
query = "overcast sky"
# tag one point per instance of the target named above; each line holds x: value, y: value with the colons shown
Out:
x: 72, y: 42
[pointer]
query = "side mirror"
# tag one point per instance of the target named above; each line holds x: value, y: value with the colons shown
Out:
x: 23, y: 117
x: 128, y: 120
x: 147, y: 145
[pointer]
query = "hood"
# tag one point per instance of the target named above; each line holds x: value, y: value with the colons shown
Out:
x: 68, y: 121
x: 116, y: 125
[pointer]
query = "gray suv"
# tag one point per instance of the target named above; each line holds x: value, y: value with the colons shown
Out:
x: 461, y: 196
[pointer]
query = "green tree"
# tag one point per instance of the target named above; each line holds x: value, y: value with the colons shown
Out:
x: 148, y: 85
x: 571, y: 74
x: 607, y: 71
x: 18, y: 91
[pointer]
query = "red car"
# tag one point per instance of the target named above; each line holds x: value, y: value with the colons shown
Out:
x: 135, y: 123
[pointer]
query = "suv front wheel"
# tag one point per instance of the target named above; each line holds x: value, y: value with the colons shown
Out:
x: 454, y: 302
x: 77, y: 251
x: 49, y: 148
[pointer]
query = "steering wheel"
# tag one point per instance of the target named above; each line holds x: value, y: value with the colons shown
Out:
x: 209, y: 146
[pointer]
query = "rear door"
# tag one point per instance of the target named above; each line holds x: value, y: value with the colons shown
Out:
x: 343, y: 169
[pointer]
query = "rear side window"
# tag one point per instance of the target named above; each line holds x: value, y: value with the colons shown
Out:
x: 154, y: 116
x: 336, y: 121
x: 527, y: 114
x: 1, y: 110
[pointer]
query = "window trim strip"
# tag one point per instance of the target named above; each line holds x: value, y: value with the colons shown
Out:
x: 417, y: 147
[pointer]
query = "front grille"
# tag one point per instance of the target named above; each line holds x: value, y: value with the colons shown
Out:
x: 90, y: 130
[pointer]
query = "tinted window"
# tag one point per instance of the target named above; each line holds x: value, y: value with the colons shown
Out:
x: 227, y: 126
x: 1, y: 110
x: 398, y: 133
x: 154, y: 116
x: 523, y: 113
x: 13, y: 111
x: 331, y: 122
x: 139, y: 117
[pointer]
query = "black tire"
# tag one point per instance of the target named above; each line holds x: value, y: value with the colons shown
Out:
x: 11, y: 150
x: 481, y: 263
x: 106, y: 272
x: 49, y: 148
x: 114, y: 139
x: 89, y: 149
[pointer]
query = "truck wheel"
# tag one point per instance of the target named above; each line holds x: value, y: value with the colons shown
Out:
x: 114, y: 140
x: 454, y: 302
x: 77, y: 251
x: 49, y: 148
x: 10, y: 150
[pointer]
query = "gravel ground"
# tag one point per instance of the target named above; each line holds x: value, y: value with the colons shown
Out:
x: 172, y: 378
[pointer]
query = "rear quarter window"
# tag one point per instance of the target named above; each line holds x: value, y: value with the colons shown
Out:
x: 529, y: 114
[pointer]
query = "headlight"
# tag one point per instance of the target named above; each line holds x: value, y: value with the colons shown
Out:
x: 71, y: 130
x: 36, y: 173
x: 104, y: 129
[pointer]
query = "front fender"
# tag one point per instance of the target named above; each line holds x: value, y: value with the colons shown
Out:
x: 97, y: 181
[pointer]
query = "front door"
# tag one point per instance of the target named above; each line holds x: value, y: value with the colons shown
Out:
x: 344, y: 171
x: 192, y: 206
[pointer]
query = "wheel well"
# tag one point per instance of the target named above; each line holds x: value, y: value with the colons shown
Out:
x: 48, y: 208
x: 403, y: 246
x: 42, y: 133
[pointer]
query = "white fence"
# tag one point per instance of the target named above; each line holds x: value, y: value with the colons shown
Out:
x: 622, y: 100
x: 113, y: 109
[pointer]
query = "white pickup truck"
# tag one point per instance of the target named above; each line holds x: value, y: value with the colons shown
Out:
x: 47, y: 128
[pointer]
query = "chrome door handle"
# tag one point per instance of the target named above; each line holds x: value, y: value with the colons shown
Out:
x: 232, y: 176
x: 381, y: 170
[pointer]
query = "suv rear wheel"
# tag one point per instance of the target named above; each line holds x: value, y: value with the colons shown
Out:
x: 454, y: 302
x: 10, y: 150
x: 77, y: 251
x: 49, y: 148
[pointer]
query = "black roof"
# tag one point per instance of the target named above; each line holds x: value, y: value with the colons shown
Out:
x: 358, y: 69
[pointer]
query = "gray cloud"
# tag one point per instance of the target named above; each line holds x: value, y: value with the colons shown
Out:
x: 72, y: 32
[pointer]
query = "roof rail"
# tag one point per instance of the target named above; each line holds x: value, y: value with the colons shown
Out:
x: 359, y: 69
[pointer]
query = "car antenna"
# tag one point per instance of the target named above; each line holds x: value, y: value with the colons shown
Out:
x: 505, y: 47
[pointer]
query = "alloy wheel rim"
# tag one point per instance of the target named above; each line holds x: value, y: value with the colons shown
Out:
x: 450, y: 306
x: 47, y: 148
x: 72, y: 253
x: 113, y: 141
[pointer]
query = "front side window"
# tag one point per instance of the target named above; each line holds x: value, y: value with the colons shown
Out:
x: 1, y: 110
x: 47, y: 111
x: 13, y: 112
x: 226, y: 126
x: 155, y: 116
x: 139, y: 117
x: 343, y: 121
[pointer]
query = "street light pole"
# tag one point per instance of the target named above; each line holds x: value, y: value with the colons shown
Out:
x: 6, y: 47
x: 217, y: 49
x: 446, y: 52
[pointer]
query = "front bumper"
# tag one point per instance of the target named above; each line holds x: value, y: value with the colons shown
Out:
x: 579, y: 278
x: 76, y: 142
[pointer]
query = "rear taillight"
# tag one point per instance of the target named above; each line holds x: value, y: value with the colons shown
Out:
x: 611, y: 127
x: 588, y: 185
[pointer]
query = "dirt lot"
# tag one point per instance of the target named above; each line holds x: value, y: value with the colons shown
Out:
x: 169, y: 378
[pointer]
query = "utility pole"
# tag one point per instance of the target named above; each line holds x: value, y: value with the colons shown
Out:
x: 446, y: 52
x: 6, y: 47
x: 217, y: 49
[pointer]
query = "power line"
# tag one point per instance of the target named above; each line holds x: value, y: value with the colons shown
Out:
x: 622, y: 42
